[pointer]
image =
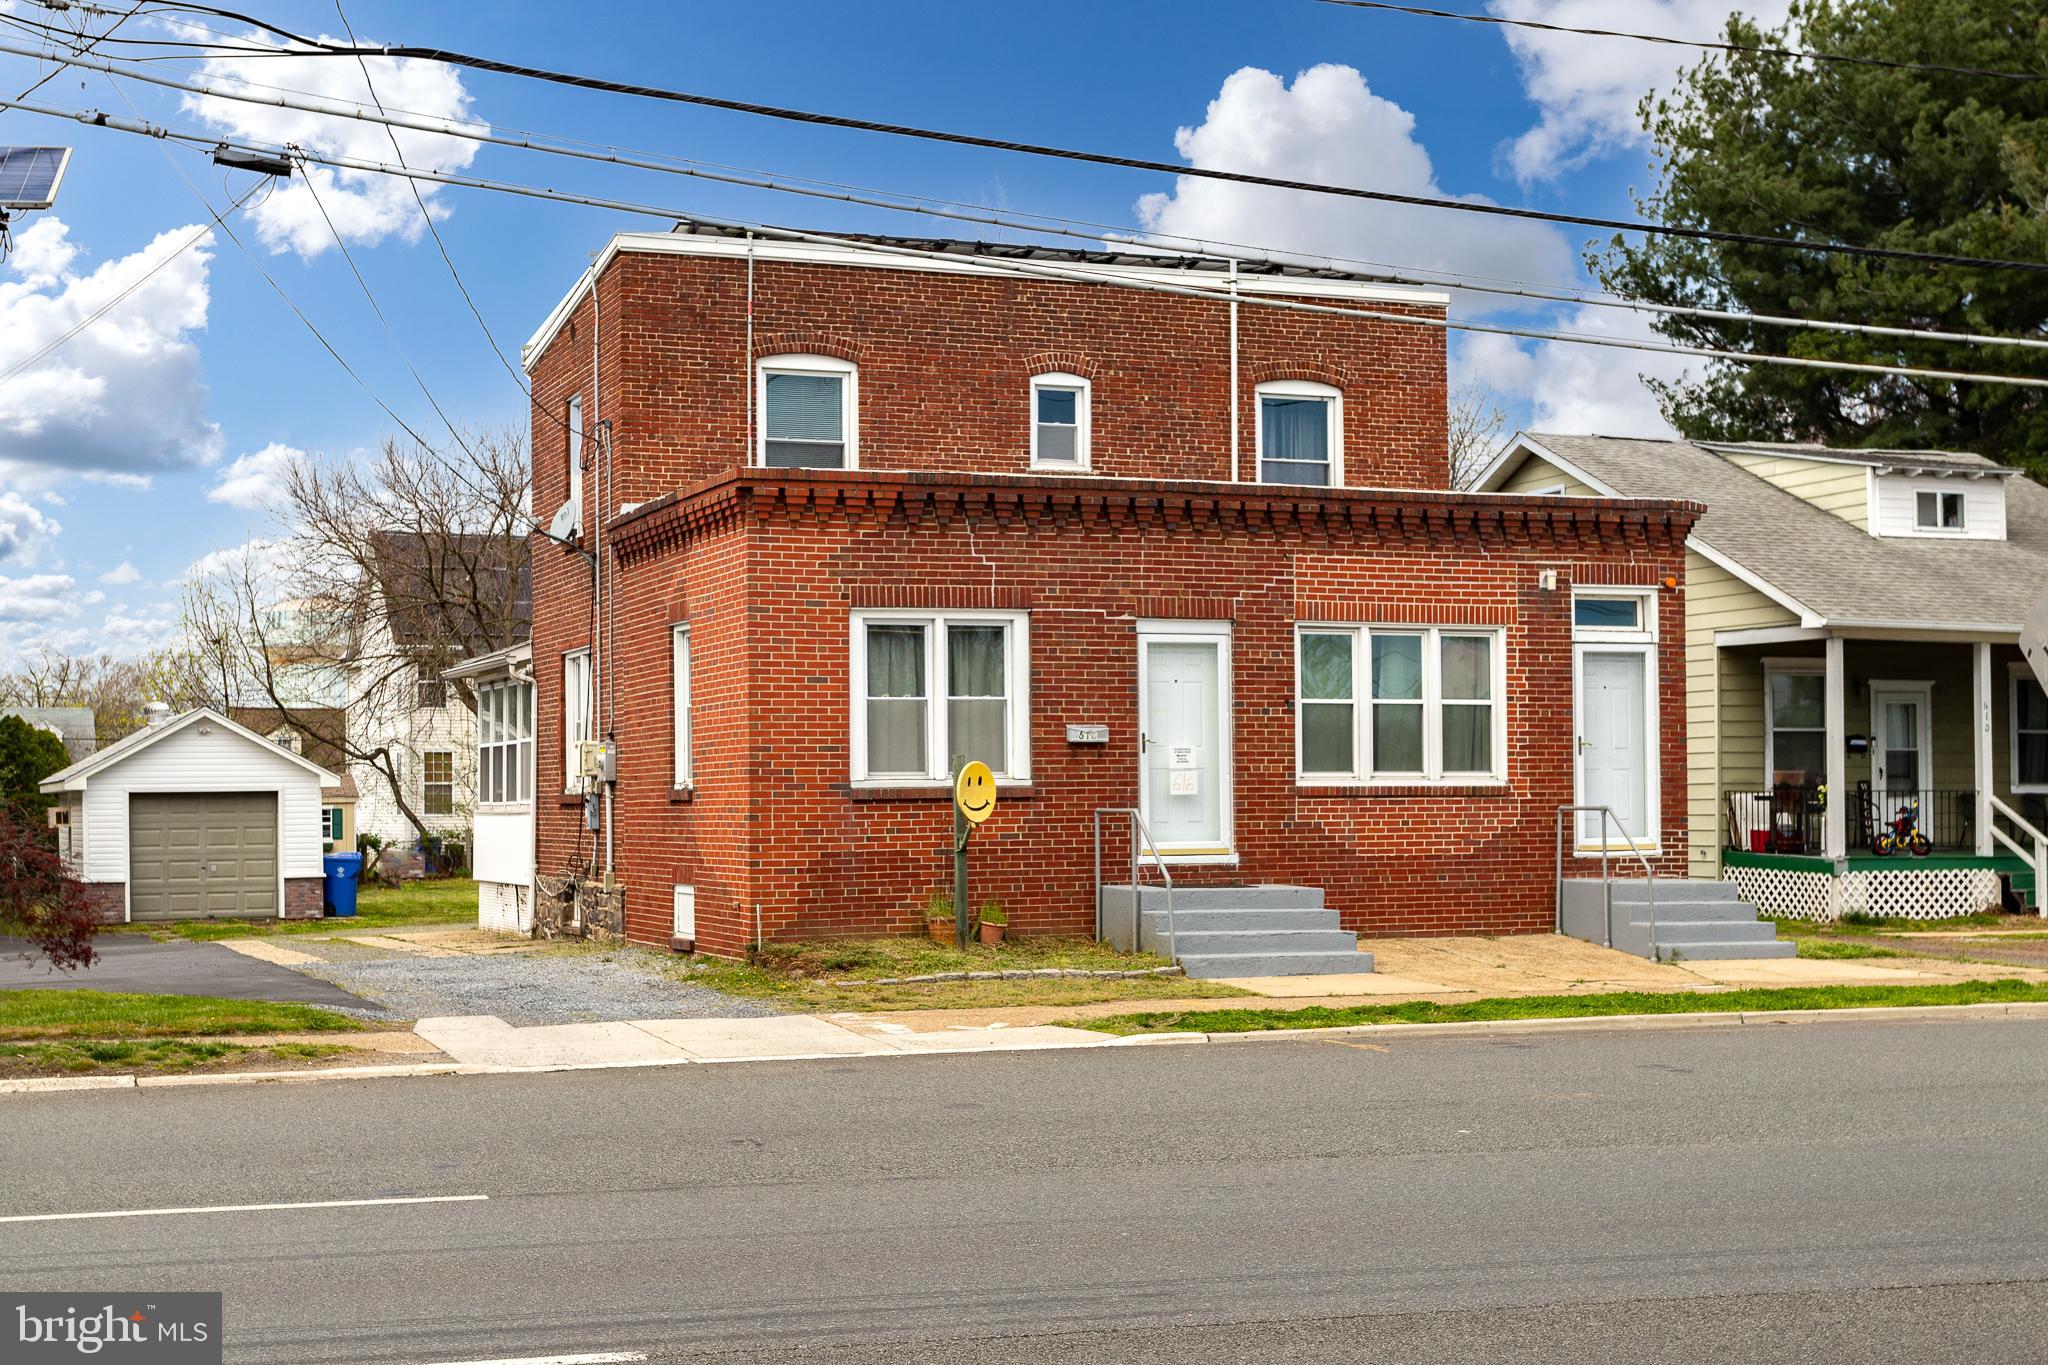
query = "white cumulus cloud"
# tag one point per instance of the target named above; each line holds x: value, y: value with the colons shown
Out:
x: 365, y: 207
x: 122, y: 396
x: 121, y: 574
x: 253, y: 480
x: 38, y: 597
x: 1596, y: 390
x: 1329, y: 127
x: 1586, y: 89
x: 24, y: 527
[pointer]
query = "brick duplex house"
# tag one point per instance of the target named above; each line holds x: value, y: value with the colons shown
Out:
x: 855, y: 511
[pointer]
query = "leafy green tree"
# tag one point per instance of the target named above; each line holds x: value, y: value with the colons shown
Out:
x: 27, y: 756
x: 1870, y: 155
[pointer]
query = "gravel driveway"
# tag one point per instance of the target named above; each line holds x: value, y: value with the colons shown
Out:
x: 532, y: 987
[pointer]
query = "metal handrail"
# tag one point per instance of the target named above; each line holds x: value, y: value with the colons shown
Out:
x: 2039, y: 857
x: 1141, y: 837
x: 1606, y: 883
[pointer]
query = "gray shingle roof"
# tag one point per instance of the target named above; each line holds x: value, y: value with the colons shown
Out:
x: 1840, y: 572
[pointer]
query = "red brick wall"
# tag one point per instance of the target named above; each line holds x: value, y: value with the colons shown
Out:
x: 767, y: 568
x: 305, y: 897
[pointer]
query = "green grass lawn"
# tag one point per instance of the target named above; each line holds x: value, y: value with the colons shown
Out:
x: 1570, y: 1007
x: 838, y: 974
x: 28, y: 1016
x: 410, y: 905
x: 155, y: 1057
x: 1838, y: 948
x: 1864, y: 926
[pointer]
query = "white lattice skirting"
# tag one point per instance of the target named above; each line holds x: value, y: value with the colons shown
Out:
x: 504, y: 907
x: 1907, y: 893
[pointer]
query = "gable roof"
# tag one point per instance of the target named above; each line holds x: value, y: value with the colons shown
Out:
x: 1822, y: 566
x: 74, y: 725
x: 1884, y: 461
x: 125, y: 748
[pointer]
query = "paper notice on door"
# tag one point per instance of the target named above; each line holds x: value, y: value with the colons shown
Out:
x: 1186, y: 783
x: 1180, y: 756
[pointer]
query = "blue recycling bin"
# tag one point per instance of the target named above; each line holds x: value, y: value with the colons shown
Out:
x: 343, y: 871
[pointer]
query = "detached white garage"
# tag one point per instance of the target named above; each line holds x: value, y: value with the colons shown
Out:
x: 195, y: 818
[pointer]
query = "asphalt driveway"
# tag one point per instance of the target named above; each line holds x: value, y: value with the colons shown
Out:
x: 134, y: 962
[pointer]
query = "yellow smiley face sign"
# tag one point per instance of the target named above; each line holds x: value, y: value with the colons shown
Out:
x: 974, y: 792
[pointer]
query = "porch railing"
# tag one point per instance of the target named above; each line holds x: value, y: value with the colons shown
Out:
x: 1789, y: 819
x: 1946, y: 815
x: 1782, y: 819
x: 2036, y: 856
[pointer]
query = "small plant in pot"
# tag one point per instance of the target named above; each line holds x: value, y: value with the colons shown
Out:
x: 994, y: 922
x: 938, y: 918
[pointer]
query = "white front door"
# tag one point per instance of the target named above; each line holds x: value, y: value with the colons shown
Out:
x: 1184, y: 771
x: 1901, y: 749
x: 1614, y: 744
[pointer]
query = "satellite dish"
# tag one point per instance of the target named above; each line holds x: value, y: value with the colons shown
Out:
x: 568, y: 520
x: 2034, y: 639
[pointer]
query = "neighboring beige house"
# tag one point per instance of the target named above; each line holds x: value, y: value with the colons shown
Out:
x: 1852, y: 623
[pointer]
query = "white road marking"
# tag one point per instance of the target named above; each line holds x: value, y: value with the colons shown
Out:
x: 261, y: 1208
x: 601, y: 1358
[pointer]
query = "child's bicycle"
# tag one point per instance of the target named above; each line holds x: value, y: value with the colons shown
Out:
x: 1902, y: 834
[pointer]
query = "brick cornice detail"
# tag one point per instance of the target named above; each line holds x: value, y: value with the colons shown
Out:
x: 1596, y: 528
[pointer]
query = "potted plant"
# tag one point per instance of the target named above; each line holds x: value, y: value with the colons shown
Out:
x: 994, y: 920
x: 938, y: 918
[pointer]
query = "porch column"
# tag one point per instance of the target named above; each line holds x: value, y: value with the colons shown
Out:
x: 1981, y: 717
x: 1835, y: 831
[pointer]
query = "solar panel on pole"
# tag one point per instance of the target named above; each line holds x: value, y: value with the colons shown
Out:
x: 29, y: 176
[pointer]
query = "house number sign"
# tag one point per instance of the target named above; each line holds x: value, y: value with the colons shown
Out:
x: 1087, y: 734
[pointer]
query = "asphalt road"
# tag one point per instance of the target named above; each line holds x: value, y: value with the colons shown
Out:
x: 136, y: 962
x: 1816, y: 1192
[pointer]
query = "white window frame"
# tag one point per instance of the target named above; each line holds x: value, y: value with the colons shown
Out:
x: 938, y: 758
x: 572, y: 423
x: 1084, y: 420
x: 427, y: 783
x: 679, y: 664
x: 819, y: 365
x: 1811, y: 668
x: 575, y: 728
x: 504, y: 730
x: 2020, y: 674
x: 1935, y: 528
x: 1644, y: 631
x: 1333, y: 415
x: 1432, y: 703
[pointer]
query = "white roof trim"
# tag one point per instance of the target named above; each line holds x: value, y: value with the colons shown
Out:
x: 1524, y: 443
x: 814, y: 253
x: 497, y: 661
x: 121, y: 750
x: 1886, y: 463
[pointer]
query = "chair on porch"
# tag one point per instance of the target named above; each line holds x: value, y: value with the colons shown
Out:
x: 1790, y: 803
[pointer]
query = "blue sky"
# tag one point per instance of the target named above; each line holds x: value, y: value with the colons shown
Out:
x: 142, y: 447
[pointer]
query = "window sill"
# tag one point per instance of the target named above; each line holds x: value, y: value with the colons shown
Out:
x: 504, y: 808
x: 1381, y: 790
x: 1054, y: 467
x: 933, y: 792
x: 681, y: 796
x: 570, y: 800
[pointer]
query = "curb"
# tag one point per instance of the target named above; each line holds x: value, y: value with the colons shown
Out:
x: 1591, y: 1023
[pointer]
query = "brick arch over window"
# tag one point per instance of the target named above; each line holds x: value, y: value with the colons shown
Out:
x: 1062, y: 362
x: 809, y: 343
x: 1310, y: 367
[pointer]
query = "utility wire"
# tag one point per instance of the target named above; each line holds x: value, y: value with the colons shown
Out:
x: 428, y: 218
x: 1109, y: 235
x: 318, y: 47
x: 1048, y: 271
x: 1708, y: 45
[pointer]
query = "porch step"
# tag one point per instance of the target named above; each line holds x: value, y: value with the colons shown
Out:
x: 1696, y: 920
x: 1227, y: 931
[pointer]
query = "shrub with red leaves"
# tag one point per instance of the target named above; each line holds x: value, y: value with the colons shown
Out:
x: 39, y: 899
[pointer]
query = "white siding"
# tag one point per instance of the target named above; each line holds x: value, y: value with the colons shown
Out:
x: 219, y: 761
x: 503, y: 850
x: 1983, y: 511
x: 503, y: 908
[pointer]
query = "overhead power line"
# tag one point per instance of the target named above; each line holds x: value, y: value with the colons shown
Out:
x: 1707, y: 45
x: 1126, y: 238
x: 1042, y: 270
x: 316, y: 47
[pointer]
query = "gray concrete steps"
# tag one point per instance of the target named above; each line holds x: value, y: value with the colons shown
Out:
x: 1224, y: 931
x: 1668, y: 951
x: 1684, y: 929
x: 1700, y: 920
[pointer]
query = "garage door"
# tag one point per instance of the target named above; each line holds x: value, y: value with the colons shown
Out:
x: 194, y: 855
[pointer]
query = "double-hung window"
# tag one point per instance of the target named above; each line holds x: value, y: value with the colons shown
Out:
x: 1937, y: 511
x: 808, y: 413
x: 575, y: 711
x: 1300, y: 434
x: 437, y: 782
x: 2029, y: 733
x: 1399, y: 704
x: 679, y: 654
x: 1060, y: 420
x: 504, y: 743
x: 928, y: 686
x: 1795, y: 704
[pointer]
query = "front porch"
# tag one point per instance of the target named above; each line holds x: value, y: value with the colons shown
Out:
x: 1903, y: 776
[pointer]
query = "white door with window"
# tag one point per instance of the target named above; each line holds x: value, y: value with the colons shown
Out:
x: 1614, y: 734
x: 1184, y: 771
x: 1901, y: 748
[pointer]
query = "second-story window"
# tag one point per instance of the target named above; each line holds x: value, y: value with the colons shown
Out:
x: 809, y: 413
x: 572, y: 422
x: 1059, y: 421
x: 1300, y: 434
